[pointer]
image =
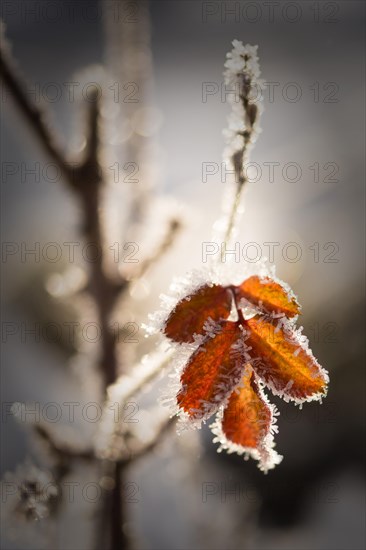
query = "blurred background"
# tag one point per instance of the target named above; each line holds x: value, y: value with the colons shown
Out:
x: 305, y: 203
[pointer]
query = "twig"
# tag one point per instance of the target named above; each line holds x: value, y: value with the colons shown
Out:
x: 34, y: 115
x: 167, y: 241
x: 86, y: 179
x: 239, y: 157
x: 64, y: 452
x: 247, y: 80
x: 232, y: 217
x: 155, y: 441
x: 128, y: 385
x: 119, y: 540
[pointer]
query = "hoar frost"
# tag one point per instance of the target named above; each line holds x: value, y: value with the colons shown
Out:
x: 242, y: 76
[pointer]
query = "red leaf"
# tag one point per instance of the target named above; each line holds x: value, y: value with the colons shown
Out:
x: 212, y: 372
x: 191, y: 313
x: 263, y: 291
x: 247, y: 417
x: 283, y: 363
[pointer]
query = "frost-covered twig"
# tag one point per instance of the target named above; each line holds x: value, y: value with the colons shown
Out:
x: 85, y: 178
x: 62, y: 452
x: 242, y: 75
x: 168, y: 239
x: 32, y: 113
x: 154, y: 442
x: 110, y: 438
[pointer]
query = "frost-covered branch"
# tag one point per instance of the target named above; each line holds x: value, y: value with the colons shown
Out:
x: 162, y: 430
x: 242, y: 75
x: 85, y: 178
x: 62, y: 451
x: 33, y: 114
x: 173, y: 228
x: 84, y: 175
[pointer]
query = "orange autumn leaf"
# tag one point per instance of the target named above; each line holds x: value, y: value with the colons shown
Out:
x: 268, y: 294
x: 247, y: 417
x: 267, y: 347
x: 191, y: 313
x: 212, y: 372
x: 283, y: 363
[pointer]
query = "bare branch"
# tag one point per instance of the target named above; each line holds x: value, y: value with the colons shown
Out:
x: 33, y: 114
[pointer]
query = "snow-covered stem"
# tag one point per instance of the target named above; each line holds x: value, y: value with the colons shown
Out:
x: 241, y: 74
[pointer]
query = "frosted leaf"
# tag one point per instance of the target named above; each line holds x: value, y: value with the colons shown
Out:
x: 284, y: 362
x: 212, y: 372
x: 263, y: 450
